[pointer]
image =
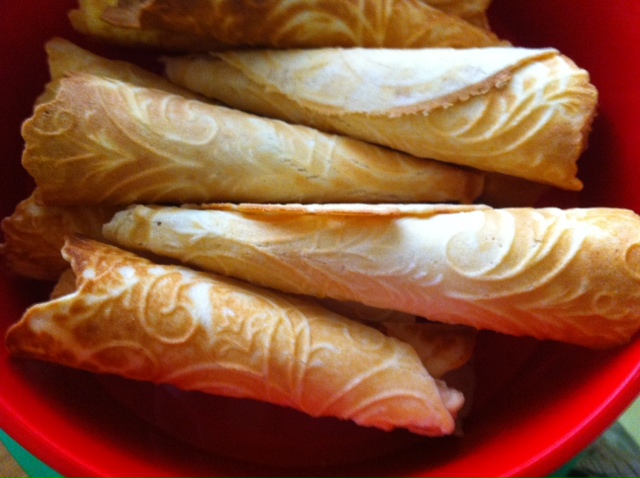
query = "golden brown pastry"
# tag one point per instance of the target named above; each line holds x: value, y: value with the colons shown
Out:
x: 473, y: 11
x: 87, y: 19
x: 119, y: 143
x: 516, y: 111
x: 442, y: 348
x: 232, y: 339
x: 64, y: 58
x: 295, y: 23
x: 567, y: 275
x: 34, y: 235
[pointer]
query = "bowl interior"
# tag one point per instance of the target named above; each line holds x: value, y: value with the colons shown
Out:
x: 543, y: 402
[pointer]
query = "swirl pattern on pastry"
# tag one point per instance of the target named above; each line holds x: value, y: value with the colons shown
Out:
x: 566, y: 275
x: 519, y: 112
x: 123, y: 143
x: 34, y: 235
x: 169, y: 324
x: 303, y: 24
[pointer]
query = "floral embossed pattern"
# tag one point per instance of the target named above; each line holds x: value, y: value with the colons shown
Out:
x: 136, y: 142
x: 554, y: 274
x: 167, y: 324
x: 304, y: 24
x: 520, y: 112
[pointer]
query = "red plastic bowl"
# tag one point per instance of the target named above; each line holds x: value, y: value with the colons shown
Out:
x: 537, y: 404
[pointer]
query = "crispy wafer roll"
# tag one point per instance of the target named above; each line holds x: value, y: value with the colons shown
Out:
x: 87, y: 19
x: 473, y: 11
x: 64, y: 58
x: 119, y: 143
x: 517, y: 111
x: 567, y: 275
x: 443, y: 348
x: 34, y: 235
x: 168, y: 324
x: 297, y: 23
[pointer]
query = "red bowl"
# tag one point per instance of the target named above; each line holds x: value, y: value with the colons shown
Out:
x: 537, y: 405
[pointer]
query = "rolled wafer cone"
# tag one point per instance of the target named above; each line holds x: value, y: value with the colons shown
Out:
x: 442, y: 348
x: 87, y: 19
x: 300, y: 23
x: 65, y: 58
x: 229, y: 338
x: 473, y: 11
x: 34, y: 235
x: 120, y: 143
x: 566, y: 275
x: 516, y: 111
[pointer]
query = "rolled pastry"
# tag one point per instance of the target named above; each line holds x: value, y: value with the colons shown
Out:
x: 442, y: 348
x: 119, y: 143
x: 516, y: 111
x: 229, y: 338
x: 300, y: 23
x: 34, y: 235
x: 87, y: 19
x: 65, y: 58
x: 473, y: 11
x: 566, y: 275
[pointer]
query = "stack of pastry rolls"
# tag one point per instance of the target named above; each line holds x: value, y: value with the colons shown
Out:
x: 319, y: 214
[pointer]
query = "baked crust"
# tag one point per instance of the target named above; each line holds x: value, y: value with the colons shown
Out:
x: 515, y: 111
x: 303, y: 23
x: 229, y: 338
x: 566, y: 275
x: 119, y: 143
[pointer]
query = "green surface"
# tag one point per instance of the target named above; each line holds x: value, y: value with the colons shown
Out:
x: 565, y: 471
x: 630, y: 420
x: 29, y: 463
